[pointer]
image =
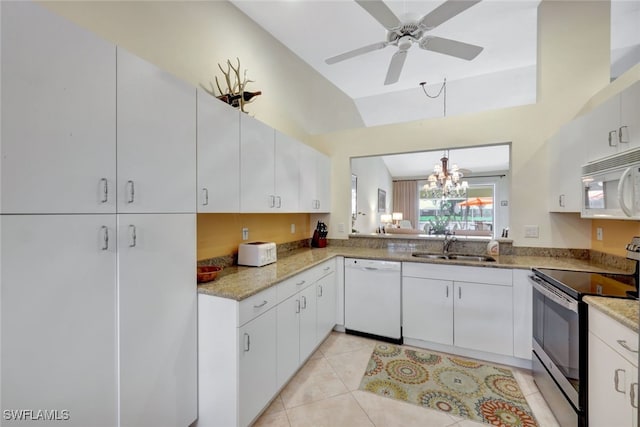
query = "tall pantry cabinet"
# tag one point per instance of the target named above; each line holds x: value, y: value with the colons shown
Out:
x: 97, y: 291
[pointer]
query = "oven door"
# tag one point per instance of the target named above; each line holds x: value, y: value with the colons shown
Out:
x: 556, y: 337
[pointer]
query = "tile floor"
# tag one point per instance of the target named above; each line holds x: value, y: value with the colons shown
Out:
x: 325, y: 393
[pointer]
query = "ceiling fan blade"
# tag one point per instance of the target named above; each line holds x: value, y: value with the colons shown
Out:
x: 380, y: 12
x: 356, y: 52
x: 444, y: 12
x: 395, y: 67
x: 450, y: 47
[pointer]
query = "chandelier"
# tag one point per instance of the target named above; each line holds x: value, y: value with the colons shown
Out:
x: 445, y: 182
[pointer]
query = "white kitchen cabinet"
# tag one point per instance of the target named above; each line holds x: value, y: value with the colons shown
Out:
x: 315, y: 181
x: 257, y: 367
x: 156, y: 134
x: 157, y: 319
x: 427, y: 309
x: 466, y: 307
x: 483, y: 317
x: 58, y: 145
x: 218, y: 139
x: 288, y: 338
x: 58, y: 316
x: 308, y: 322
x: 522, y: 314
x: 613, y: 372
x: 269, y: 177
x: 567, y: 154
x: 327, y: 303
x: 614, y: 125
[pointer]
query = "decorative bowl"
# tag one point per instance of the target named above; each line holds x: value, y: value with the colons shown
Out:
x: 208, y: 273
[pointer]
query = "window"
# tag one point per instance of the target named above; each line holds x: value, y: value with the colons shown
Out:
x: 473, y: 215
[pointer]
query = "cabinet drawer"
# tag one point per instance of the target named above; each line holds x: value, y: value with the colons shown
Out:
x: 291, y: 286
x: 614, y: 334
x: 319, y: 271
x: 255, y: 305
x: 488, y: 275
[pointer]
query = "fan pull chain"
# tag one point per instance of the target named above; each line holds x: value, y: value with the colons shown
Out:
x: 442, y: 88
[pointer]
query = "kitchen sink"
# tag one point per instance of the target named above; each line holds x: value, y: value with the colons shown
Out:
x: 454, y: 257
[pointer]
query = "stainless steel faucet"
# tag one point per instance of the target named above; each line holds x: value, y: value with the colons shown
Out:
x: 446, y: 243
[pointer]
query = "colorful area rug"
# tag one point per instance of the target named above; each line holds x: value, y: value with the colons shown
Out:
x: 461, y: 387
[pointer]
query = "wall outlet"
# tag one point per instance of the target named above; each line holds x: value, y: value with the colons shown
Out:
x: 293, y: 228
x: 245, y: 234
x: 599, y: 233
x: 341, y: 227
x: 531, y: 231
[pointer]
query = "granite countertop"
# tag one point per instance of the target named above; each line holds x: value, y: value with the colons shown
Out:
x: 624, y: 311
x: 239, y: 282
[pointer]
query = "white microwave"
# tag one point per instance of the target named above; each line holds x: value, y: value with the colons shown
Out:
x: 611, y: 187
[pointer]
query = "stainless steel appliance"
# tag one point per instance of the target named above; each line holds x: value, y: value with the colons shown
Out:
x: 560, y: 333
x: 611, y: 187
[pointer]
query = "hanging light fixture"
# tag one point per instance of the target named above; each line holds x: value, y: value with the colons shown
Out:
x: 445, y: 182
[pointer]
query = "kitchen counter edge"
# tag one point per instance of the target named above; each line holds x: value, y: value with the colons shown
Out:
x: 625, y: 311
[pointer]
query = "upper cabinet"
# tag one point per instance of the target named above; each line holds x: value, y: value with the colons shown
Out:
x: 156, y: 137
x: 567, y: 154
x: 268, y: 169
x: 315, y: 170
x: 614, y: 125
x: 218, y: 141
x: 58, y: 149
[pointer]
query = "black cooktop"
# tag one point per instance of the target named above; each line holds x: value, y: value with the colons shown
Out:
x: 580, y: 283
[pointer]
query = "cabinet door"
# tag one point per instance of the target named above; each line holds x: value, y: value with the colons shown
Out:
x: 323, y: 178
x: 308, y: 179
x: 58, y: 316
x: 610, y: 379
x: 427, y: 310
x: 257, y: 153
x: 483, y: 316
x: 567, y: 155
x: 157, y: 310
x: 599, y: 123
x: 327, y: 305
x: 288, y: 335
x: 522, y: 314
x: 287, y: 177
x: 630, y: 115
x: 218, y: 155
x: 57, y: 151
x: 156, y: 139
x: 308, y: 322
x: 257, y: 341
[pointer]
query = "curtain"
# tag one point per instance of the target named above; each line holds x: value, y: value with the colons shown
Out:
x: 405, y: 200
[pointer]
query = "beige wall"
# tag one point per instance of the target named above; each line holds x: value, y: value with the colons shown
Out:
x: 190, y: 38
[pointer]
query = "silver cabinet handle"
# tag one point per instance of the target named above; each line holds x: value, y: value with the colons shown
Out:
x: 319, y: 290
x: 297, y: 306
x: 447, y: 295
x: 105, y: 190
x: 304, y: 302
x: 260, y: 305
x: 633, y: 395
x: 612, y: 138
x: 459, y: 293
x: 105, y: 238
x: 300, y: 283
x: 623, y: 137
x: 561, y: 200
x: 205, y: 196
x: 279, y: 201
x: 616, y: 380
x: 623, y: 344
x: 327, y: 268
x: 133, y: 238
x: 131, y: 190
x: 272, y: 201
x: 247, y: 342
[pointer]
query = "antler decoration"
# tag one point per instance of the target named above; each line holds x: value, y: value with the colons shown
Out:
x: 235, y: 94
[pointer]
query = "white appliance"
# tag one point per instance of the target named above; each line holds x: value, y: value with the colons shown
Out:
x: 611, y: 187
x: 256, y: 254
x: 372, y: 298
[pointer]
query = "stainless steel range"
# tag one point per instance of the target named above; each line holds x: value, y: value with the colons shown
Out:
x: 560, y: 333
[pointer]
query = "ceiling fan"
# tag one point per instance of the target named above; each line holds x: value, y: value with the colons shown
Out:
x: 404, y: 33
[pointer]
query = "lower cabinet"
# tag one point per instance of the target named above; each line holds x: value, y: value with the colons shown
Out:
x: 467, y: 307
x: 249, y: 349
x: 613, y: 372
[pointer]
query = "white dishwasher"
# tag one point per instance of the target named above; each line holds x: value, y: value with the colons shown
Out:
x: 372, y: 297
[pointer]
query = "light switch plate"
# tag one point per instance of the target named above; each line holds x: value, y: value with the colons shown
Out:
x: 245, y: 234
x: 341, y: 227
x: 531, y: 231
x: 293, y: 228
x: 598, y: 233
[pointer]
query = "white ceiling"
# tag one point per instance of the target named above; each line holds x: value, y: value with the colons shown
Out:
x: 503, y: 75
x: 473, y: 161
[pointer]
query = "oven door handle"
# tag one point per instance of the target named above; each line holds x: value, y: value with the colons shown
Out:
x: 544, y: 289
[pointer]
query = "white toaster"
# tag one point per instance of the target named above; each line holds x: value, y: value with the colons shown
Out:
x: 256, y: 254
